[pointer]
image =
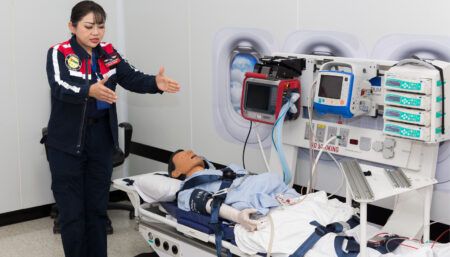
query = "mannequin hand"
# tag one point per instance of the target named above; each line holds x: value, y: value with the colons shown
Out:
x: 165, y: 83
x: 100, y: 92
x: 245, y: 221
x: 284, y: 200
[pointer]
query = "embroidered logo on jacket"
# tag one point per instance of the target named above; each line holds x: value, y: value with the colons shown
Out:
x: 73, y: 62
x: 112, y: 60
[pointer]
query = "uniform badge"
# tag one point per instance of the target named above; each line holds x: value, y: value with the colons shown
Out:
x: 73, y: 62
x: 112, y: 60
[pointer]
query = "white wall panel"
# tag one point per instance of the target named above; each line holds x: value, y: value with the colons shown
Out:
x: 9, y: 154
x: 158, y: 35
x: 277, y: 18
x: 371, y: 20
x: 30, y: 51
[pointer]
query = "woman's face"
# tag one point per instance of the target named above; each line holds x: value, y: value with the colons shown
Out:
x: 88, y: 33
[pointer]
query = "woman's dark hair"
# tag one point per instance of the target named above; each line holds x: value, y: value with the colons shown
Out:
x: 171, y: 166
x: 85, y: 7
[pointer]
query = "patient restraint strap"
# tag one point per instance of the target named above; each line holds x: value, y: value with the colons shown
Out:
x: 320, y: 231
x: 200, y: 180
x: 227, y: 174
x: 227, y: 178
x: 218, y: 198
x: 387, y: 245
x: 352, y: 249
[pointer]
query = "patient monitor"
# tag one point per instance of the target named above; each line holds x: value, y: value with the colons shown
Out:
x: 269, y: 87
x: 344, y: 89
x: 263, y: 98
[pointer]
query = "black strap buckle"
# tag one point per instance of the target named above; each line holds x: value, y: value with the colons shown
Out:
x: 130, y: 182
x: 228, y: 174
x: 321, y: 230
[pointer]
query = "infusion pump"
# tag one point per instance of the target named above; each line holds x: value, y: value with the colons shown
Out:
x: 415, y: 103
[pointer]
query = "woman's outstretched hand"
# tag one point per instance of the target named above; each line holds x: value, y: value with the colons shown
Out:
x: 165, y: 83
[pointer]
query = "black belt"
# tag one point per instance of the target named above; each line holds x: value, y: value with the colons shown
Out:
x: 92, y: 121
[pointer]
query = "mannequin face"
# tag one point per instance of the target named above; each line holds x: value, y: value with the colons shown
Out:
x: 187, y: 163
x: 88, y: 33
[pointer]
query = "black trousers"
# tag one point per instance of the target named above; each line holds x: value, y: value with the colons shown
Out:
x: 80, y: 185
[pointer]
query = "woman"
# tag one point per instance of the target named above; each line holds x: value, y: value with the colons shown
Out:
x: 82, y: 131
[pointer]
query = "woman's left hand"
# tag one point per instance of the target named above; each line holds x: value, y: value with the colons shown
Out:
x: 165, y: 83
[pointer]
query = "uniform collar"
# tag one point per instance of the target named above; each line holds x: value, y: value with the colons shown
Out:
x: 83, y: 54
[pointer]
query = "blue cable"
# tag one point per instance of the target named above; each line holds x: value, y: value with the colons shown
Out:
x: 278, y: 127
x: 275, y: 124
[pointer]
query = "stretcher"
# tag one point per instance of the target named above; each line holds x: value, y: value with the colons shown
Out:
x: 170, y: 231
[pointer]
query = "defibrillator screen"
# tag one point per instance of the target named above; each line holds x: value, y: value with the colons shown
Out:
x: 258, y: 97
x: 330, y: 86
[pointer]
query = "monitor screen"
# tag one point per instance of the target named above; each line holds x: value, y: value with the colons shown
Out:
x: 330, y: 86
x: 258, y: 97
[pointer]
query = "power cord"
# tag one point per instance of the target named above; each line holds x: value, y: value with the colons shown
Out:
x: 245, y: 144
x: 261, y: 148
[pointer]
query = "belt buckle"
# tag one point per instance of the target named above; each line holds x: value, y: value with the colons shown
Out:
x: 220, y: 192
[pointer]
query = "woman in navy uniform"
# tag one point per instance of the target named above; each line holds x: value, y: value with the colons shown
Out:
x: 82, y: 131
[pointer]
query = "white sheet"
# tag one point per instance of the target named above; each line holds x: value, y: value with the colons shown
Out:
x: 292, y: 227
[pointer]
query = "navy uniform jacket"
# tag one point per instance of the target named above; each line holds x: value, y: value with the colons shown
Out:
x: 70, y: 77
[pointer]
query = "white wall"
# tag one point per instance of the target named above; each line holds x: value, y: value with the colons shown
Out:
x: 28, y: 29
x: 9, y: 198
x: 371, y: 20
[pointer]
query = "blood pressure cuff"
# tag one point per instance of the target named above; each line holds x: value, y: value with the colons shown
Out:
x: 198, y: 200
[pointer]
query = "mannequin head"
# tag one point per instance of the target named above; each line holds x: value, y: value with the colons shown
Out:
x: 184, y: 163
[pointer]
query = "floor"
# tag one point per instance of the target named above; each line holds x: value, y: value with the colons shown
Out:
x: 36, y: 239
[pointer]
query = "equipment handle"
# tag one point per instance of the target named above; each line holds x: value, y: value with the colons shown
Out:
x: 329, y: 65
x: 414, y: 61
